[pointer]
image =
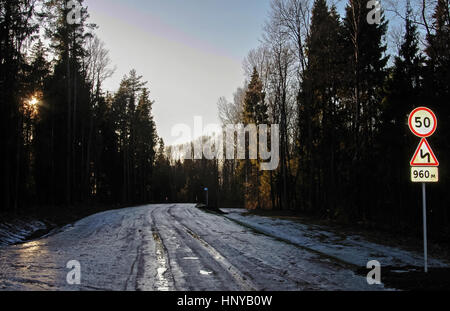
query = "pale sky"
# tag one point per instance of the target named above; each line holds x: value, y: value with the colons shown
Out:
x: 190, y: 51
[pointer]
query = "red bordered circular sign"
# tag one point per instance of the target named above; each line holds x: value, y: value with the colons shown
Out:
x: 423, y: 122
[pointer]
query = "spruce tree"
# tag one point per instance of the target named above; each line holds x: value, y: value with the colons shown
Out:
x: 255, y: 108
x: 365, y: 52
x: 255, y: 113
x: 323, y: 74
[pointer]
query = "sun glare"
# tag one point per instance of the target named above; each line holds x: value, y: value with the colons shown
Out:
x: 33, y: 102
x: 32, y: 106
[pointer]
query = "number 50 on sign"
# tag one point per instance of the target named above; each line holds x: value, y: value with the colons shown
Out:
x: 423, y: 122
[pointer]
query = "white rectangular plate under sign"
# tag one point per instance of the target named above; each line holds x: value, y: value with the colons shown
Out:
x: 425, y: 174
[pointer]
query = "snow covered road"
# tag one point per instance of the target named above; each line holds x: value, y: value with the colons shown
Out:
x: 169, y: 247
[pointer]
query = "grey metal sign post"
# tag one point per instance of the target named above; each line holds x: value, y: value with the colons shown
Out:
x: 425, y: 240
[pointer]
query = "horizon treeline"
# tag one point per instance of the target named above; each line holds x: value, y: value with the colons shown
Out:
x: 341, y: 99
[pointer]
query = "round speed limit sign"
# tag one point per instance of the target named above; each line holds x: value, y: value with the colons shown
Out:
x: 423, y: 122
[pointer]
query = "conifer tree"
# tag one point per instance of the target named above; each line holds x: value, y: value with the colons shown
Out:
x: 16, y: 27
x: 255, y: 113
x: 323, y: 76
x: 365, y: 52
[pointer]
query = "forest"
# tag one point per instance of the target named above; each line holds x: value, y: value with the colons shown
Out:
x: 341, y: 97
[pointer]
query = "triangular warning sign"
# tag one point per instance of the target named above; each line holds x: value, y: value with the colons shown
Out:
x: 424, y: 155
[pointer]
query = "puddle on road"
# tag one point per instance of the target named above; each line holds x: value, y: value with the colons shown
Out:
x: 202, y: 272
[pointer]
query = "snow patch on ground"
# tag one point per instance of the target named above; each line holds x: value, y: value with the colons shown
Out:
x: 17, y: 231
x: 352, y: 249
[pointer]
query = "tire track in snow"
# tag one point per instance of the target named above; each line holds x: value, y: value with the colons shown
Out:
x: 244, y: 282
x: 141, y: 277
x: 164, y: 280
x: 195, y: 267
x: 133, y: 271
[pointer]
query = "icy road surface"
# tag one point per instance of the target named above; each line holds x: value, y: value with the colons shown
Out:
x: 169, y: 247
